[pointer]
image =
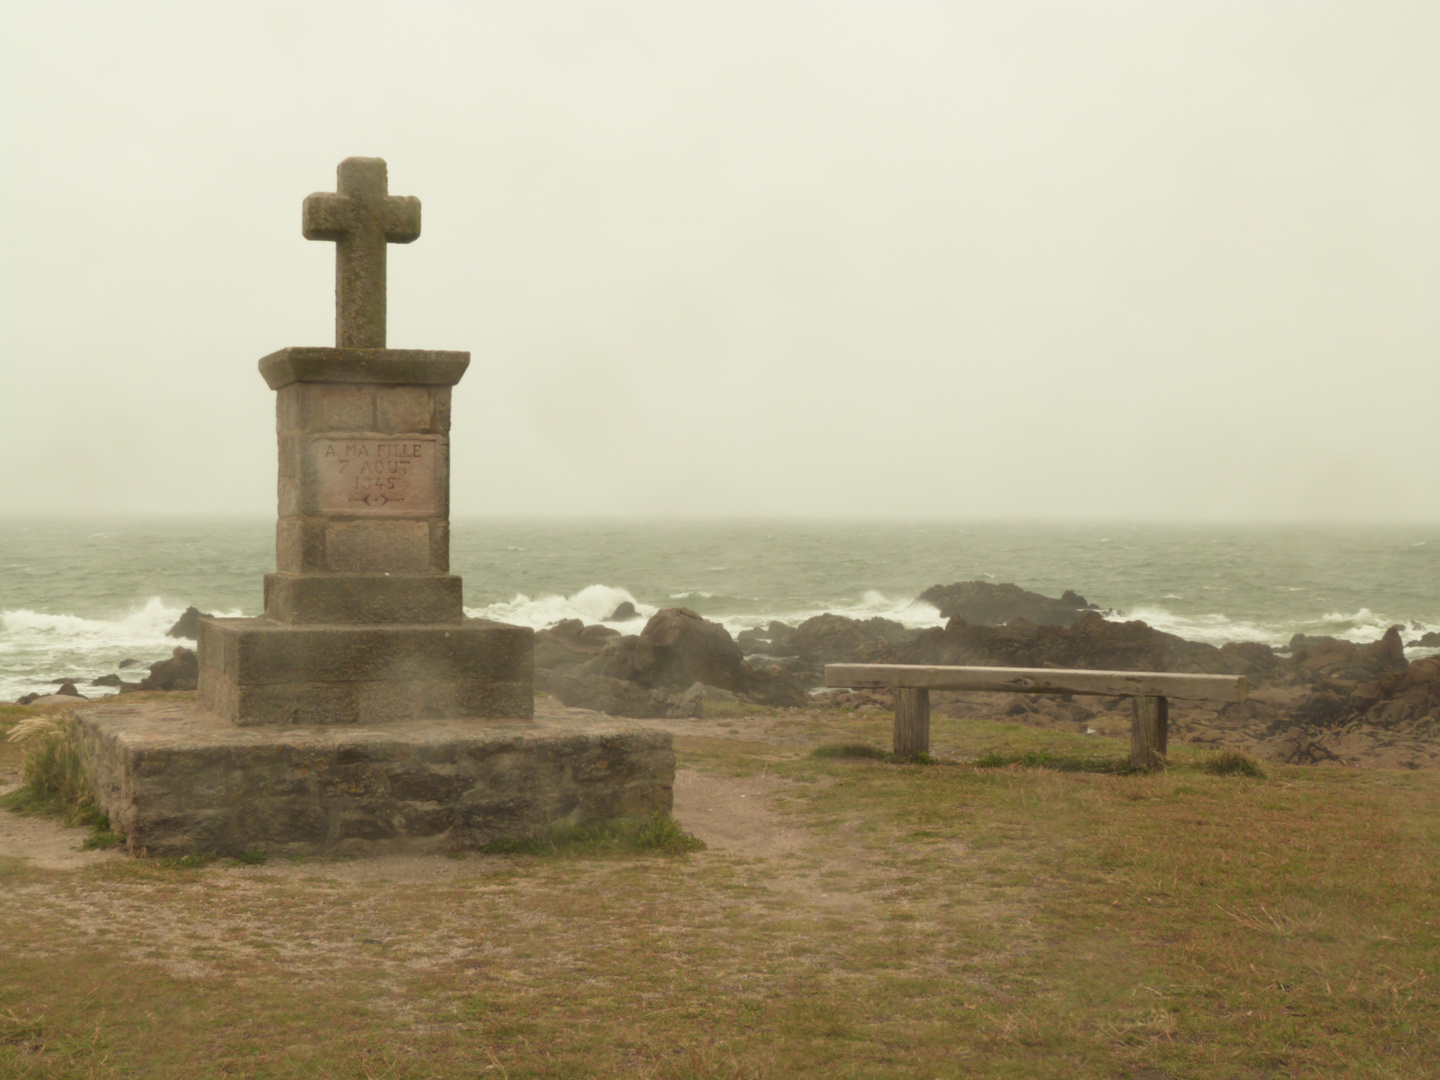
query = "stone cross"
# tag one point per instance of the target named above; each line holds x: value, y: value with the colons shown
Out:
x: 361, y: 217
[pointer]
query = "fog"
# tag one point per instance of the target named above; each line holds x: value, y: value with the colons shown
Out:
x: 1075, y: 260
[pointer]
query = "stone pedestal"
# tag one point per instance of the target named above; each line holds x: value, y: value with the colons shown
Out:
x: 177, y: 779
x: 363, y: 621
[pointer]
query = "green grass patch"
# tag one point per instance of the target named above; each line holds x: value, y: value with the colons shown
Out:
x: 250, y: 858
x: 658, y: 834
x: 1049, y: 759
x: 721, y: 710
x: 1233, y: 763
x: 866, y: 752
x: 851, y: 750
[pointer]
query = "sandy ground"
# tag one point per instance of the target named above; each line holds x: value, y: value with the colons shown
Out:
x: 45, y: 842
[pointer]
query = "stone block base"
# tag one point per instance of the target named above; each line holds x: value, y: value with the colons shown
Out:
x: 177, y: 779
x: 363, y: 598
x: 253, y: 671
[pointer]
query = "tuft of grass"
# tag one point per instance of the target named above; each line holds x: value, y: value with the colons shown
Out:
x: 103, y: 838
x: 55, y: 780
x: 1046, y: 759
x: 250, y: 858
x: 658, y: 834
x: 1233, y: 763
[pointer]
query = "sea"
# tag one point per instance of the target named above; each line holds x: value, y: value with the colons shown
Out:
x: 79, y: 596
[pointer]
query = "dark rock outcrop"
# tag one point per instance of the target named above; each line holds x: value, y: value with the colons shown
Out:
x: 1313, y: 659
x: 180, y: 672
x: 617, y: 697
x: 106, y: 680
x: 188, y: 625
x: 678, y: 648
x: 624, y: 613
x: 1399, y: 696
x: 1094, y: 643
x: 570, y: 643
x: 777, y: 639
x: 981, y: 603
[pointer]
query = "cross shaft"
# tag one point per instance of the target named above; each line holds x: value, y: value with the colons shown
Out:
x: 361, y: 217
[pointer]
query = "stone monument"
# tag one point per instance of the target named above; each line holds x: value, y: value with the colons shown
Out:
x: 363, y: 621
x: 363, y: 708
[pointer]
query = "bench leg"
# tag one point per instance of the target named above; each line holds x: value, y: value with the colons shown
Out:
x: 912, y: 722
x: 1148, y: 732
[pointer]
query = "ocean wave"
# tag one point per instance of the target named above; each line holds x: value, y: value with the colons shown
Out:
x: 913, y: 614
x: 595, y: 603
x: 1361, y: 627
x: 592, y: 604
x: 37, y: 646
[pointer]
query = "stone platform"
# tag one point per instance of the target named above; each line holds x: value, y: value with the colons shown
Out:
x: 259, y: 672
x: 178, y: 779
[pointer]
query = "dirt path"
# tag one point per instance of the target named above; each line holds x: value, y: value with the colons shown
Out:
x: 46, y: 843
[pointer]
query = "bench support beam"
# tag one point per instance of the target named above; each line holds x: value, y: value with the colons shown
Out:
x: 1149, y: 731
x: 912, y: 722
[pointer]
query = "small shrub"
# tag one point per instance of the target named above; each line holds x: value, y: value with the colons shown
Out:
x: 1233, y: 763
x: 103, y: 838
x: 55, y: 781
x: 658, y: 834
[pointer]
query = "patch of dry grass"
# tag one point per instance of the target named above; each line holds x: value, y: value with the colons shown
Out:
x: 940, y: 920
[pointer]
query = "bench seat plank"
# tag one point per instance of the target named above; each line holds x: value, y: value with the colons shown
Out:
x: 1039, y: 681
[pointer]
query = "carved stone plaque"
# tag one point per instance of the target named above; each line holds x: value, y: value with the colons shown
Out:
x: 374, y: 477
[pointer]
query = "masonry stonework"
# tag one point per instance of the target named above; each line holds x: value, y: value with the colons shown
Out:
x: 373, y: 709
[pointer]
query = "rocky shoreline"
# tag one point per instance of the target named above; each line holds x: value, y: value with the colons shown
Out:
x: 1319, y: 700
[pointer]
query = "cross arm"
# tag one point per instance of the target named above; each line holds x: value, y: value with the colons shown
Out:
x: 327, y: 216
x: 401, y: 218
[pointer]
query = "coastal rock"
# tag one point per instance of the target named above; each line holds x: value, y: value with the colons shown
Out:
x: 68, y: 689
x: 127, y: 663
x: 615, y: 697
x: 1313, y: 659
x: 1397, y: 697
x: 624, y: 613
x: 188, y: 625
x: 777, y: 640
x: 678, y: 648
x: 690, y: 649
x: 980, y: 602
x: 568, y: 644
x: 835, y: 639
x: 106, y: 680
x: 180, y: 672
x: 693, y: 702
x: 1430, y: 640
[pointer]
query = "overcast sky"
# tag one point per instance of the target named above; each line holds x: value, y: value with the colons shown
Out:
x: 1075, y: 260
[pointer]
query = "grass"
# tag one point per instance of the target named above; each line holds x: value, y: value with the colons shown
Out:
x: 657, y: 835
x: 864, y: 751
x: 1011, y: 921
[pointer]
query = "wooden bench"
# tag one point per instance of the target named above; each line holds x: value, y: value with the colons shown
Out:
x: 1149, y: 693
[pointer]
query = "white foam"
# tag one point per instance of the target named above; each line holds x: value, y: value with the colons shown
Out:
x: 1361, y: 627
x: 913, y: 614
x: 592, y: 604
x: 37, y: 646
